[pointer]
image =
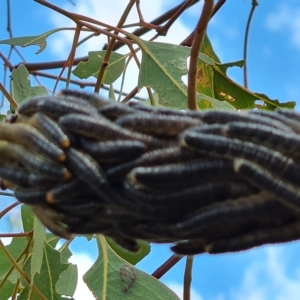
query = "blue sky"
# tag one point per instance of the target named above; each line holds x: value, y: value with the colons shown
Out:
x: 273, y: 65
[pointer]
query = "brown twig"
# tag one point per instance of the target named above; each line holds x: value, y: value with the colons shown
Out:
x: 12, y: 235
x: 193, y: 66
x: 188, y: 41
x: 10, y: 99
x: 8, y: 208
x: 110, y: 46
x: 188, y: 277
x: 21, y: 272
x: 254, y: 4
x: 166, y: 266
x: 138, y: 32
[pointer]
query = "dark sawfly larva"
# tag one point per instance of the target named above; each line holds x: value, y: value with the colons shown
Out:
x: 240, y: 211
x: 105, y: 130
x: 283, y: 191
x: 278, y: 117
x: 93, y: 99
x: 30, y: 106
x: 30, y: 195
x: 50, y: 128
x: 194, y: 196
x: 14, y: 174
x: 29, y: 136
x: 112, y: 151
x: 220, y: 146
x: 66, y: 192
x: 159, y: 125
x: 264, y: 135
x: 155, y: 157
x: 223, y: 117
x: 113, y: 111
x: 286, y: 233
x: 52, y: 220
x: 180, y: 174
x: 13, y: 152
x: 88, y: 171
x: 55, y: 107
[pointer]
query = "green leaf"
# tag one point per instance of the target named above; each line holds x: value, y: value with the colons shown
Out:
x: 91, y: 67
x: 46, y: 280
x: 111, y: 93
x: 20, y: 84
x: 37, y: 91
x: 2, y: 117
x: 241, y: 98
x: 27, y: 217
x: 6, y: 290
x: 273, y: 103
x: 112, y: 278
x: 206, y: 102
x: 208, y: 49
x: 131, y: 257
x: 52, y: 239
x: 15, y: 248
x: 37, y: 250
x: 21, y: 87
x: 162, y: 67
x: 25, y: 41
x: 67, y: 282
x: 65, y: 253
x: 223, y: 67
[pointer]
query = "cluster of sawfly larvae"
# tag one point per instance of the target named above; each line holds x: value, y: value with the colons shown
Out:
x: 209, y: 181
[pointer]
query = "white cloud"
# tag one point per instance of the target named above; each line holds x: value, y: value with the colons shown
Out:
x: 109, y: 13
x: 287, y: 19
x: 269, y: 279
x: 83, y: 262
x: 178, y: 289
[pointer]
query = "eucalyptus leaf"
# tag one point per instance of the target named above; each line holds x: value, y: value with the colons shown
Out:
x: 37, y: 250
x: 25, y: 41
x: 27, y: 217
x: 46, y: 280
x: 112, y: 278
x: 67, y: 281
x: 92, y: 66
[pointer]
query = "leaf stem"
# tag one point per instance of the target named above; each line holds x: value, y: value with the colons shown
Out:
x: 22, y: 273
x: 254, y: 4
x: 188, y: 277
x: 196, y: 46
x: 11, y: 100
x: 110, y: 46
x: 166, y: 266
x: 8, y: 208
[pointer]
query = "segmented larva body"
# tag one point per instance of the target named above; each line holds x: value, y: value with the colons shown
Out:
x: 209, y: 181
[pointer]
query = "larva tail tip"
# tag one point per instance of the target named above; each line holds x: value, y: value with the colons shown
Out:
x: 65, y: 143
x: 61, y: 158
x: 50, y: 197
x: 3, y: 187
x: 208, y: 248
x: 67, y: 175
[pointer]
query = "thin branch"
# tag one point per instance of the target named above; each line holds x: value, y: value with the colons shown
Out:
x: 21, y: 272
x: 8, y: 208
x: 166, y: 266
x: 110, y: 46
x: 138, y: 32
x: 254, y: 4
x: 188, y: 277
x: 188, y: 41
x: 193, y: 67
x: 12, y: 235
